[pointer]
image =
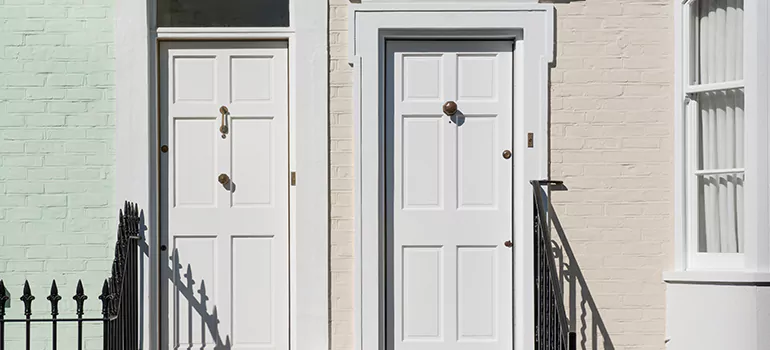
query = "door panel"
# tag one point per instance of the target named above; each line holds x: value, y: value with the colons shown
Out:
x: 449, y: 195
x: 227, y: 278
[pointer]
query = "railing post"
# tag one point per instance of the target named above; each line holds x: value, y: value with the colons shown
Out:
x: 54, y: 299
x: 27, y: 299
x: 105, y: 298
x: 80, y: 298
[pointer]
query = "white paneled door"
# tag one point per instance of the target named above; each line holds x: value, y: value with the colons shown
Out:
x: 224, y: 195
x: 449, y: 182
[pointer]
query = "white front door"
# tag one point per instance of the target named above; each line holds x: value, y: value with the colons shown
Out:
x: 449, y: 192
x: 224, y: 195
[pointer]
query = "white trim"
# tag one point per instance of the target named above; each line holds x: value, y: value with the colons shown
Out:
x: 716, y: 277
x: 136, y: 142
x: 728, y: 85
x: 719, y: 171
x: 370, y: 25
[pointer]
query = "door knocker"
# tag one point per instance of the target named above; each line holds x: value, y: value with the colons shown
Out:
x: 223, y: 129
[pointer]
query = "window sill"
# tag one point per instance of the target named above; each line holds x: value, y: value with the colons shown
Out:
x: 717, y: 277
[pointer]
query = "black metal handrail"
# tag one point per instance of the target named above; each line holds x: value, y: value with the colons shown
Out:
x: 552, y: 330
x: 119, y: 296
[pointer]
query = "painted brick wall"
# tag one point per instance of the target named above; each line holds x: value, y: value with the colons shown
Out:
x: 56, y: 148
x: 341, y: 182
x: 612, y: 142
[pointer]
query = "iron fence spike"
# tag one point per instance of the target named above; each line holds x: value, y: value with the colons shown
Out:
x: 80, y: 298
x: 3, y: 298
x: 27, y: 298
x: 54, y: 298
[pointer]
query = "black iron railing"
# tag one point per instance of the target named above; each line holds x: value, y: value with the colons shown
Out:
x: 119, y: 297
x: 552, y: 330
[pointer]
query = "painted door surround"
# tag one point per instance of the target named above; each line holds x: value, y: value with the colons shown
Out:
x: 224, y: 190
x: 137, y: 147
x: 371, y: 25
x: 449, y: 189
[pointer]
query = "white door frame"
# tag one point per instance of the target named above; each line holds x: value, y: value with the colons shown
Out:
x: 532, y: 25
x: 137, y: 148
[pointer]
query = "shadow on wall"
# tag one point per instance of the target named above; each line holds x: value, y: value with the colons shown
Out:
x: 582, y: 312
x: 201, y: 328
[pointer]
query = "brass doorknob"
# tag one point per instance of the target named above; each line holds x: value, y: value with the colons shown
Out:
x: 450, y: 108
x: 508, y: 244
x: 507, y: 154
x: 224, y: 179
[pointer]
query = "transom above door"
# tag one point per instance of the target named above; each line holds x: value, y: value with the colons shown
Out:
x: 449, y: 181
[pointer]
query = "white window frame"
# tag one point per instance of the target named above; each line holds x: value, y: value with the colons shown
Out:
x: 370, y: 25
x: 756, y: 252
x: 136, y: 44
x: 701, y: 259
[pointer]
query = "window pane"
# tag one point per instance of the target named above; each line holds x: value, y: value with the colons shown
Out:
x: 717, y: 41
x: 720, y: 213
x: 720, y: 132
x: 223, y: 13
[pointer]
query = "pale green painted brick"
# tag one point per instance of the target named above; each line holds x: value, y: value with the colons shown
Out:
x: 70, y: 53
x: 71, y: 265
x: 64, y: 79
x: 28, y: 161
x: 69, y: 160
x: 26, y: 79
x: 25, y: 265
x: 45, y: 120
x: 12, y: 94
x: 8, y: 253
x: 24, y: 213
x: 10, y: 147
x: 66, y: 187
x: 57, y: 115
x: 45, y: 12
x: 11, y: 120
x: 23, y: 188
x: 54, y: 213
x: 87, y: 120
x: 48, y: 200
x: 65, y: 134
x: 90, y: 147
x: 47, y: 174
x: 45, y: 67
x: 67, y: 107
x: 64, y: 26
x: 12, y: 173
x: 84, y: 174
x: 24, y: 107
x: 87, y: 251
x: 12, y: 201
x: 44, y: 39
x: 23, y: 25
x: 84, y: 94
x: 45, y: 94
x: 44, y: 147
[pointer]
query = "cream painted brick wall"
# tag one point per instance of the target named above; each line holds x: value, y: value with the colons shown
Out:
x: 612, y: 142
x: 341, y: 182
